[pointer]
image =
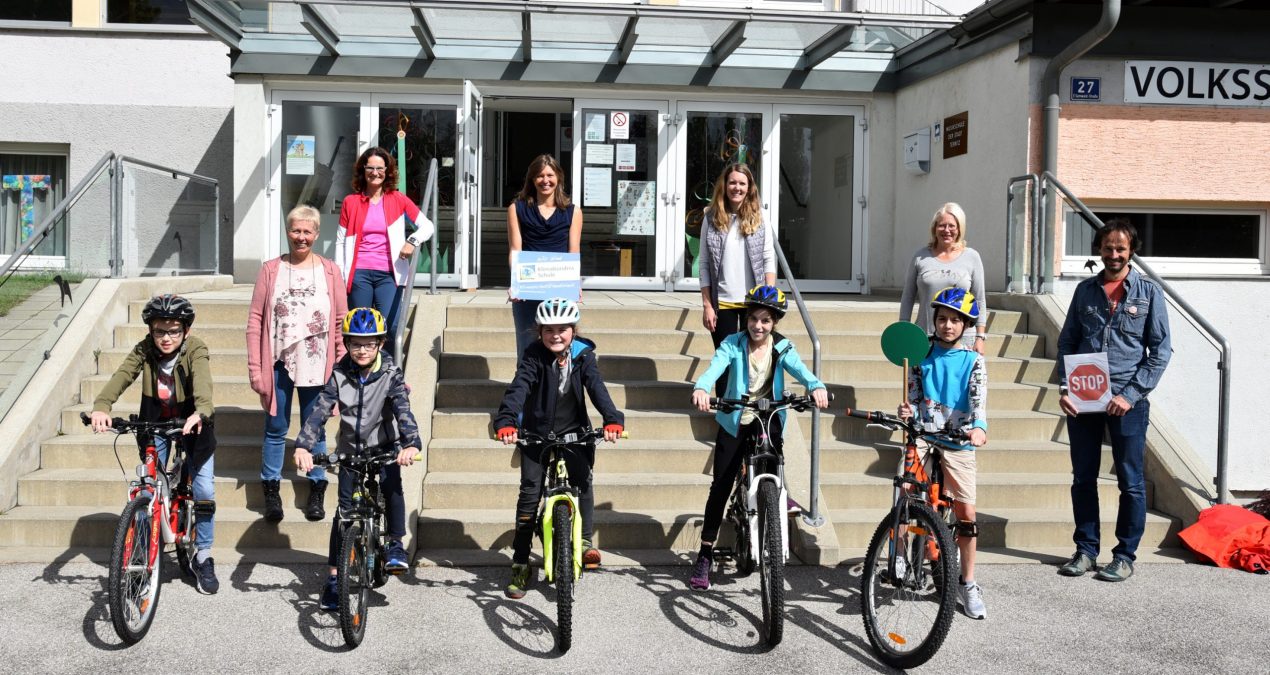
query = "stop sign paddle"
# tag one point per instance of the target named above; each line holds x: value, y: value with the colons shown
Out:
x: 1088, y: 381
x: 904, y: 344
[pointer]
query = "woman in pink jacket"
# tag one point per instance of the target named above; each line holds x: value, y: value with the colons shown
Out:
x: 293, y: 342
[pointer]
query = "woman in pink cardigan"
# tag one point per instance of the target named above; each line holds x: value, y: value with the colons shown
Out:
x: 293, y: 342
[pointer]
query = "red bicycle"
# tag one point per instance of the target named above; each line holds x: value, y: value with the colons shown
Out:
x: 156, y: 514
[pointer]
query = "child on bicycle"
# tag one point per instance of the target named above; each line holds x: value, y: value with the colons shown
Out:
x: 547, y: 396
x: 756, y: 361
x: 177, y: 384
x: 374, y: 413
x: 948, y: 391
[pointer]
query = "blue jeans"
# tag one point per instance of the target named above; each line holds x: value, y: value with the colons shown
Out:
x: 524, y: 315
x: 204, y: 488
x: 394, y: 507
x: 1128, y: 450
x: 378, y: 289
x: 277, y: 425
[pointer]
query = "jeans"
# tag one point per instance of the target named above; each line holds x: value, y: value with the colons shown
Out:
x: 1128, y: 451
x: 276, y: 426
x: 523, y: 314
x: 579, y: 464
x: 394, y: 506
x: 378, y: 289
x: 204, y: 489
x: 729, y: 451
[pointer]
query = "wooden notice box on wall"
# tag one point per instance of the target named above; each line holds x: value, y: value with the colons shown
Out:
x: 956, y: 133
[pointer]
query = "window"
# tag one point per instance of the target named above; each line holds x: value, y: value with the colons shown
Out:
x: 1180, y: 241
x: 36, y: 10
x: 147, y: 11
x: 31, y: 186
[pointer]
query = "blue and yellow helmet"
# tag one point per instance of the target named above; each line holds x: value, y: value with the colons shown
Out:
x: 958, y: 300
x: 364, y: 322
x: 767, y: 297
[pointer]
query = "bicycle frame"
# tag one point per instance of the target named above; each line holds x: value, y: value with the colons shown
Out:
x: 556, y: 488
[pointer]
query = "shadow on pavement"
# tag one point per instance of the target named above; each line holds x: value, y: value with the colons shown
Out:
x: 520, y: 626
x: 718, y: 617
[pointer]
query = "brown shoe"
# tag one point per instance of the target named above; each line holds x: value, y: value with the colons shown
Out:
x: 590, y: 556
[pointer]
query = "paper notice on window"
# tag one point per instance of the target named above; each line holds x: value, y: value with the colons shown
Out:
x: 620, y: 125
x: 1088, y: 381
x: 594, y: 128
x: 599, y: 153
x: 300, y: 155
x: 636, y: 208
x: 597, y: 186
x: 625, y: 157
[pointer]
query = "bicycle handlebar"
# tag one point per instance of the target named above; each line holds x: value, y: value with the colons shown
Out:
x: 896, y: 422
x: 530, y: 438
x: 358, y: 461
x: 799, y: 403
x: 120, y: 425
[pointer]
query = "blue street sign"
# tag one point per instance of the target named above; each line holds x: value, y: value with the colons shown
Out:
x: 1086, y: 88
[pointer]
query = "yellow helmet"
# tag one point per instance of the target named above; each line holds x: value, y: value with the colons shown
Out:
x: 364, y: 322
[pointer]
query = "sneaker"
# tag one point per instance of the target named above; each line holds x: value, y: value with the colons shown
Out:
x: 590, y: 556
x: 1119, y: 570
x: 793, y: 507
x: 331, y: 594
x: 901, y: 568
x: 315, y: 510
x: 395, y: 558
x: 205, y: 577
x: 273, y: 500
x: 970, y: 596
x: 700, y: 580
x: 1077, y: 566
x: 519, y: 583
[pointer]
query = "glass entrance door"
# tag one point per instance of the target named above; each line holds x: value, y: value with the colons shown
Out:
x: 621, y: 179
x: 467, y: 250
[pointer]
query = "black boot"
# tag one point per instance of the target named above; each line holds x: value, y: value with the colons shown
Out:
x: 273, y: 501
x: 316, y: 510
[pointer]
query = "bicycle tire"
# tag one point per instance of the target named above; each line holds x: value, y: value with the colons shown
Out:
x: 134, y: 583
x: 354, y: 585
x: 562, y: 551
x: 772, y: 565
x: 907, y: 622
x: 741, y: 527
x: 379, y: 574
x: 185, y: 551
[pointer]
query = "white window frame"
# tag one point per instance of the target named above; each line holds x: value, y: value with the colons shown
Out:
x: 1258, y: 266
x: 42, y: 262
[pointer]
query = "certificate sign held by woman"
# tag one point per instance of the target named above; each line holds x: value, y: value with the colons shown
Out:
x: 539, y: 275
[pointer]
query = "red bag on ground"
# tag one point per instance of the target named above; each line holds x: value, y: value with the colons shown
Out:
x: 1231, y: 536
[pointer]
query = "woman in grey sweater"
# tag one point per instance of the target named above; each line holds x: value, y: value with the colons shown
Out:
x: 945, y: 261
x: 737, y: 252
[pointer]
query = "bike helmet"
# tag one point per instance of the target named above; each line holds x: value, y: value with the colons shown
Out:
x: 557, y: 312
x: 364, y: 322
x: 958, y: 300
x: 767, y: 297
x: 168, y: 306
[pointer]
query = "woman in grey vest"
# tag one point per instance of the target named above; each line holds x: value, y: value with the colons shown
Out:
x: 736, y: 251
x: 945, y: 261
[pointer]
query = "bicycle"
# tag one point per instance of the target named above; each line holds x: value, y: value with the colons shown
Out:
x: 912, y: 563
x: 361, y: 557
x: 757, y: 509
x: 558, y: 522
x: 156, y: 515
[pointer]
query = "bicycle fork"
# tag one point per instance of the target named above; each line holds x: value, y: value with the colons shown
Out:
x: 548, y: 544
x: 751, y: 511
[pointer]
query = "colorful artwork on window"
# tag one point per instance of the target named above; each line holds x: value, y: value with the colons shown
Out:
x: 26, y: 185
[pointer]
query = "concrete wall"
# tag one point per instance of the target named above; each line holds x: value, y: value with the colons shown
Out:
x: 163, y: 98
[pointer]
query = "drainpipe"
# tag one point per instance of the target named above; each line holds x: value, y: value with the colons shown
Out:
x: 1044, y: 281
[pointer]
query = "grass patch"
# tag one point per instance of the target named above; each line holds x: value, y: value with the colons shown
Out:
x: 19, y: 287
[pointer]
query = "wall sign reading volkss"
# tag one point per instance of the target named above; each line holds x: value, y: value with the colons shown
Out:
x: 1190, y: 83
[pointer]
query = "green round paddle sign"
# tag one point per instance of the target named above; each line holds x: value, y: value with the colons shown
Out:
x: 903, y: 340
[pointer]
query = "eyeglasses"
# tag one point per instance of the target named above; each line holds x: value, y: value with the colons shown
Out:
x: 363, y: 347
x: 174, y: 333
x: 376, y: 169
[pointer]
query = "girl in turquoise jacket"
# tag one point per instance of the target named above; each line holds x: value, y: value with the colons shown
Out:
x: 757, y: 359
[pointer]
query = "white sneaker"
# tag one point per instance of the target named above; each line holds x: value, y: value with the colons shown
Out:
x: 971, y: 598
x: 901, y: 568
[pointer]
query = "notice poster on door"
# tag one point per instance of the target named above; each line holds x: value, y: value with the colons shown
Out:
x: 597, y: 186
x: 300, y: 155
x: 538, y: 275
x: 599, y: 153
x: 636, y: 208
x: 625, y: 157
x: 594, y: 128
x: 620, y: 125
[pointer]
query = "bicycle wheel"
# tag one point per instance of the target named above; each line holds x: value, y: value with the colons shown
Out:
x: 185, y: 526
x: 908, y: 610
x: 741, y: 528
x: 772, y: 562
x: 354, y: 585
x: 135, y: 568
x: 562, y: 547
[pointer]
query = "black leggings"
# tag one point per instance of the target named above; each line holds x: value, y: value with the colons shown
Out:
x: 579, y: 463
x: 394, y: 504
x: 728, y: 454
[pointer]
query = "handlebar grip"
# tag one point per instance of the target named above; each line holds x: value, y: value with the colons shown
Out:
x: 85, y: 418
x: 863, y: 414
x: 830, y: 397
x: 625, y: 434
x: 714, y: 401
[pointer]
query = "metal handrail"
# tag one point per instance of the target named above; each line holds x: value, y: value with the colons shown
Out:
x: 429, y: 205
x: 117, y: 267
x: 1020, y: 277
x: 813, y: 517
x: 1214, y: 336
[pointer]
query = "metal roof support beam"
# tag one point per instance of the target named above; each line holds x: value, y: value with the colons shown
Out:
x: 727, y: 43
x: 320, y: 28
x: 427, y: 41
x: 828, y: 45
x: 526, y: 38
x: 216, y: 22
x: 627, y: 43
x: 1224, y: 3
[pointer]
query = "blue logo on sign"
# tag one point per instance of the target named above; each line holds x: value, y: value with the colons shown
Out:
x: 1086, y: 88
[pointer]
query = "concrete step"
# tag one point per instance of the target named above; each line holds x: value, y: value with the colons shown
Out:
x: 230, y: 420
x: 681, y: 368
x: 998, y: 490
x: 697, y: 342
x: 613, y: 491
x: 224, y: 362
x: 627, y: 456
x: 1026, y: 529
x: 97, y: 451
x: 494, y: 528
x: 226, y: 389
x: 207, y: 311
x: 1039, y: 457
x: 218, y: 337
x: 108, y: 489
x: 678, y: 395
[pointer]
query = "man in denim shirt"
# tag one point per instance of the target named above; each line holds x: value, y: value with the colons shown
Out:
x: 1122, y: 313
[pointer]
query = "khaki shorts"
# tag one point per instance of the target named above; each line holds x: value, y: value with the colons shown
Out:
x: 959, y: 474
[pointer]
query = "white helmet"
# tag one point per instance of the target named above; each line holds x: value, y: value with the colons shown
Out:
x: 557, y: 312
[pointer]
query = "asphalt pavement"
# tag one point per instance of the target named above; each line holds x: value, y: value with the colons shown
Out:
x: 1169, y: 618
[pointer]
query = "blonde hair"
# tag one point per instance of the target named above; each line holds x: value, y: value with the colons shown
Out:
x: 953, y: 209
x: 305, y: 212
x: 750, y: 214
